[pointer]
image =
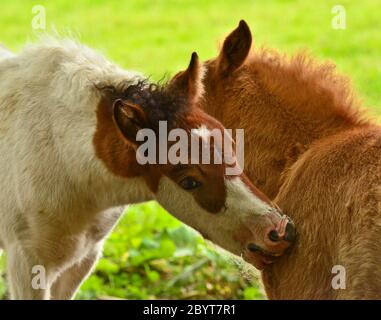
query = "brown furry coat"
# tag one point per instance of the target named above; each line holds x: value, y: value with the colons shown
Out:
x: 308, y: 147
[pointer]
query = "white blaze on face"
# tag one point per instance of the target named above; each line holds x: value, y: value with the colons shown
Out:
x: 203, y: 132
x: 242, y: 200
x: 206, y: 136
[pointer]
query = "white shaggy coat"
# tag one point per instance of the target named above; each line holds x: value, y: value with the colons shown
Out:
x: 57, y: 199
x: 54, y: 189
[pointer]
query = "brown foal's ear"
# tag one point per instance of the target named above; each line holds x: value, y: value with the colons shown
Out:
x: 129, y: 119
x: 188, y: 83
x: 235, y: 49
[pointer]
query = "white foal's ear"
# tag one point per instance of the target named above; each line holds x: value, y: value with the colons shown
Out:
x: 235, y: 49
x: 188, y: 83
x: 129, y: 119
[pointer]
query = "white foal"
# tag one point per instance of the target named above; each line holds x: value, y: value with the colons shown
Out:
x: 68, y: 122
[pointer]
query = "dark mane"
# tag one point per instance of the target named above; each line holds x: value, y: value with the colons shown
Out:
x: 156, y: 99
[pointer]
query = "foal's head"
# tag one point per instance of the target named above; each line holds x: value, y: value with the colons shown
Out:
x: 225, y: 208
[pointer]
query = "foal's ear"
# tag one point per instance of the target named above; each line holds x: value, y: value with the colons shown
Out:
x: 235, y: 49
x: 129, y: 119
x: 188, y: 83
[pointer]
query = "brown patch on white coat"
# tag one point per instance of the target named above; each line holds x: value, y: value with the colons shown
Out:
x: 230, y: 211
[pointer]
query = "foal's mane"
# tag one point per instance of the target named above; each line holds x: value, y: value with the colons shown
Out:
x: 306, y: 86
x: 158, y: 101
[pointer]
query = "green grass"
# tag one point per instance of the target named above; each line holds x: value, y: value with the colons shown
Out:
x: 158, y: 36
x: 151, y: 255
x: 149, y: 251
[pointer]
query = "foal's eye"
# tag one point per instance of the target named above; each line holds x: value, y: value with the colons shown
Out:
x: 189, y: 183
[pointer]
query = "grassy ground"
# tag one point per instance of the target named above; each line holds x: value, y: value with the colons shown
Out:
x: 147, y: 255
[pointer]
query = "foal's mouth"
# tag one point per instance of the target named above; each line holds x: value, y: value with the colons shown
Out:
x: 276, y: 242
x: 260, y: 257
x: 257, y: 249
x: 268, y: 257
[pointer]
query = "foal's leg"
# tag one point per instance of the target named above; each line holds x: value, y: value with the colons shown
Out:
x: 68, y: 283
x: 27, y: 277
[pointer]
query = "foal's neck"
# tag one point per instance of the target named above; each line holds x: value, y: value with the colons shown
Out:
x: 281, y: 117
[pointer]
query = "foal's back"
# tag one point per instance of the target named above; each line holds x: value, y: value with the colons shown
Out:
x: 48, y: 107
x: 344, y: 229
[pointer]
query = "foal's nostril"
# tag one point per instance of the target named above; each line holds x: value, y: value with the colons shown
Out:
x: 274, y: 236
x: 290, y: 232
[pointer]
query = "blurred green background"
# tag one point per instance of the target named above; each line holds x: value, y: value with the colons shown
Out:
x: 150, y: 254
